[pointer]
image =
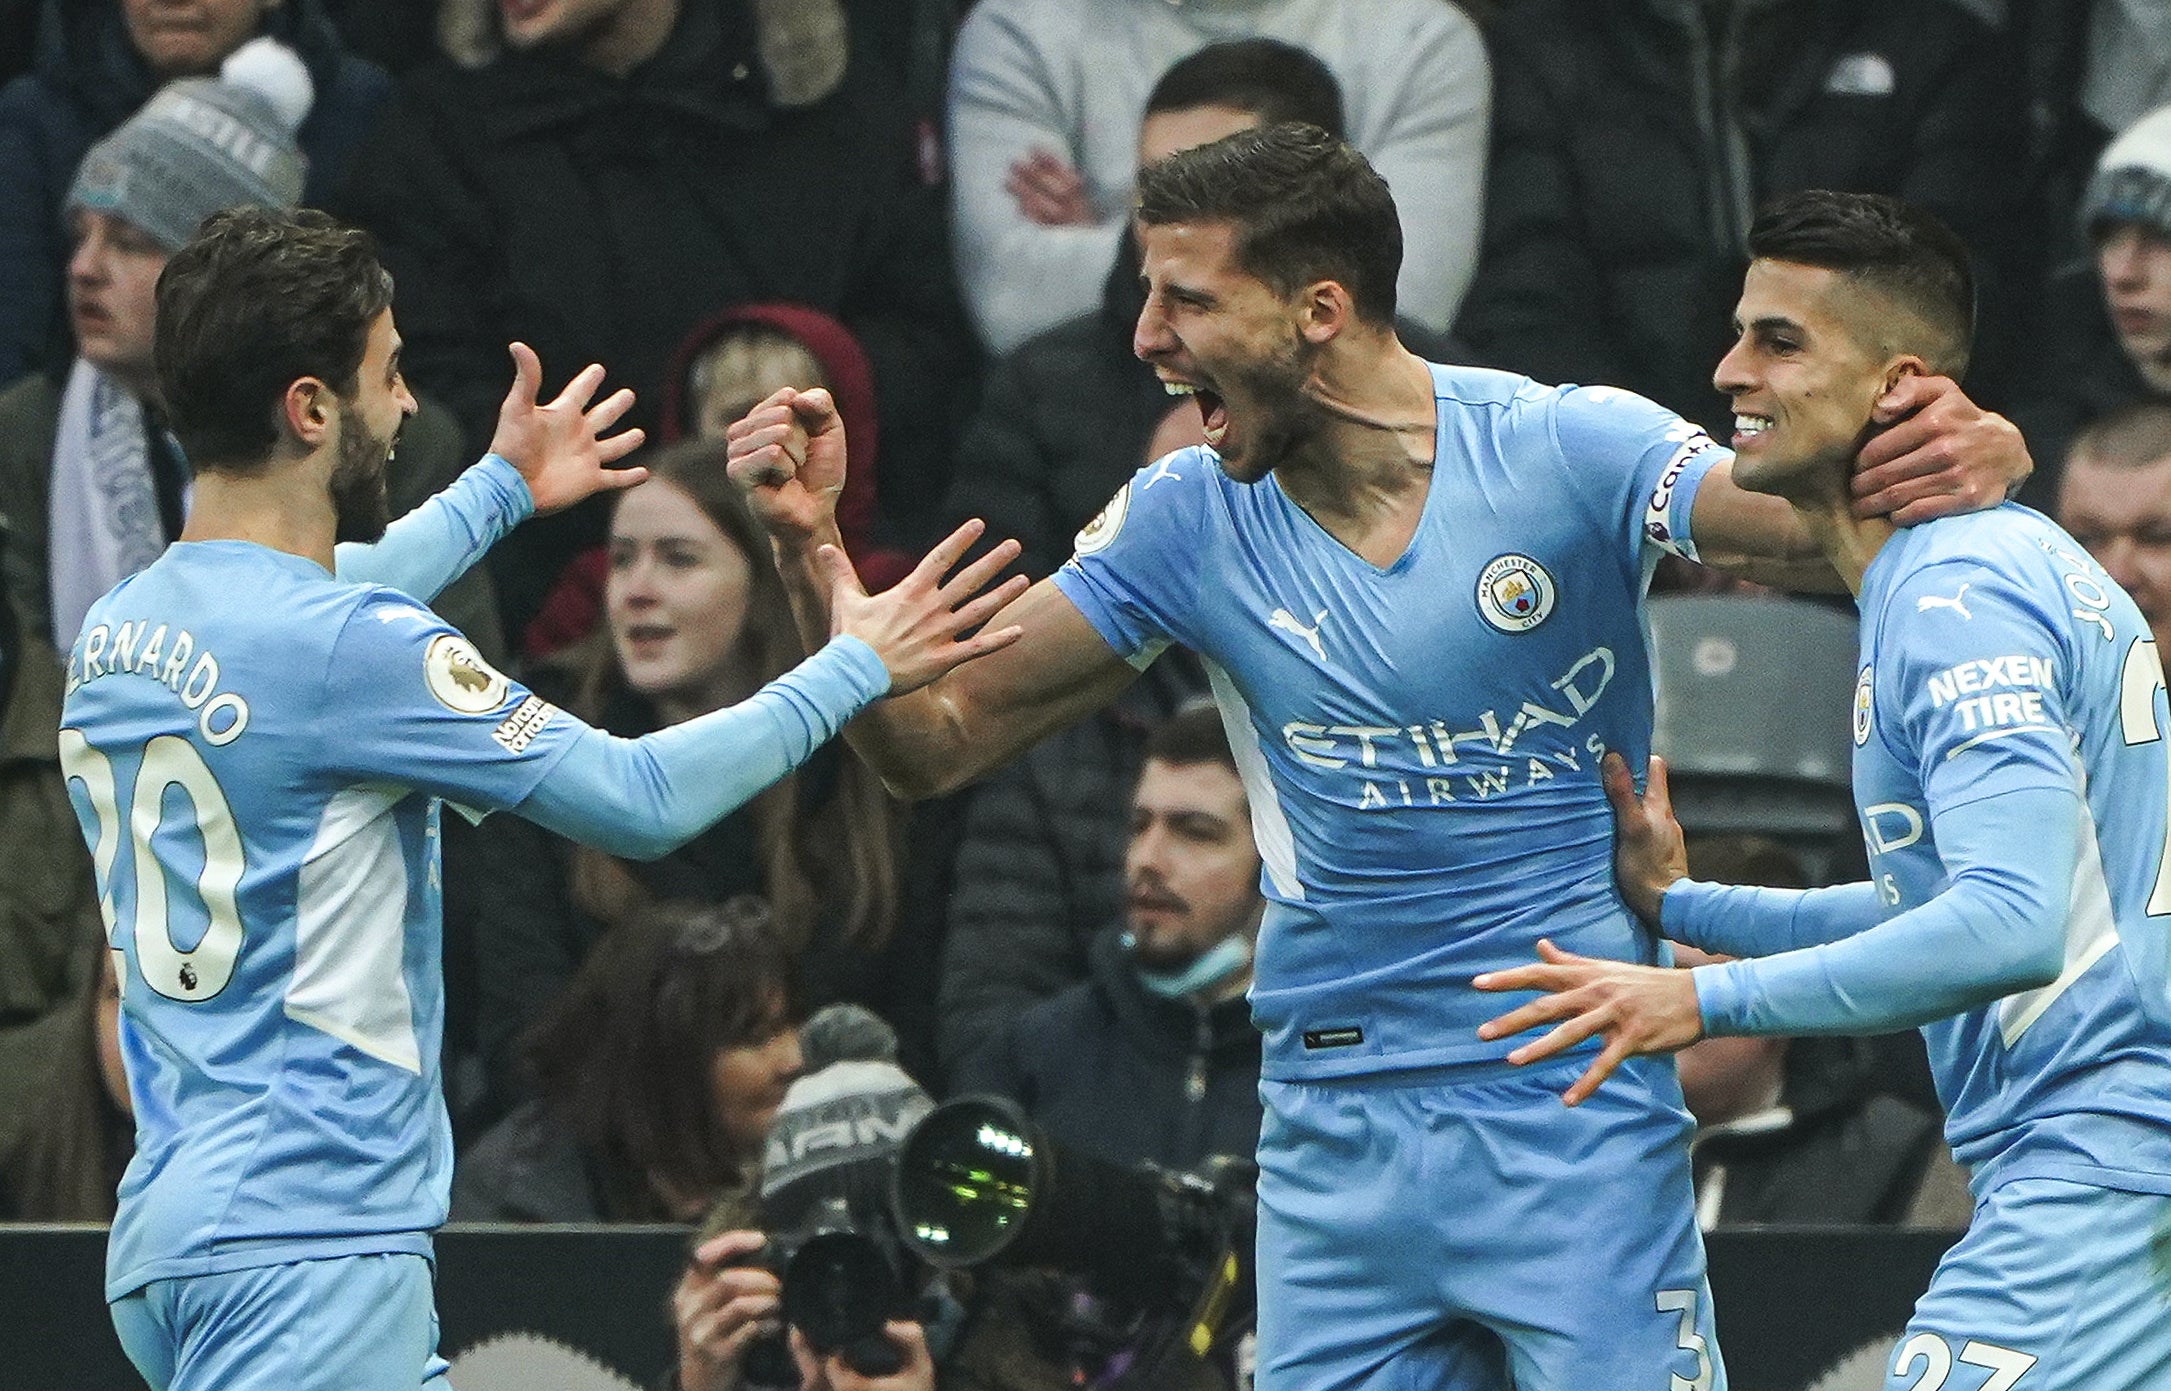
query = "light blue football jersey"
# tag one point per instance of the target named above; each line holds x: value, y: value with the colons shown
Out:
x: 1997, y: 656
x: 1419, y: 743
x: 255, y: 750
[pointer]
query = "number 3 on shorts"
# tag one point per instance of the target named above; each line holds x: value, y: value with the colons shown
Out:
x: 169, y: 761
x: 1683, y: 1302
x: 1934, y: 1356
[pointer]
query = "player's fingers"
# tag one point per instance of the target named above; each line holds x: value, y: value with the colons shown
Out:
x: 1619, y: 788
x: 1898, y: 450
x: 995, y: 641
x: 837, y: 568
x: 767, y: 411
x: 1554, y: 955
x: 1610, y: 1057
x: 980, y: 610
x: 617, y: 447
x: 1657, y: 792
x: 767, y: 467
x: 527, y: 374
x: 1536, y: 976
x: 1929, y: 490
x: 1566, y: 1034
x: 606, y: 412
x: 814, y: 407
x: 1529, y: 1015
x: 578, y: 391
x: 976, y: 576
x: 946, y: 553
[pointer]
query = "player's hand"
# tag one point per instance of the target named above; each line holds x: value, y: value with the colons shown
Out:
x: 719, y: 1308
x: 1939, y: 454
x: 1639, y: 1009
x: 561, y: 449
x: 1048, y: 191
x: 1649, y: 853
x: 831, y: 1374
x: 913, y: 625
x: 787, y: 456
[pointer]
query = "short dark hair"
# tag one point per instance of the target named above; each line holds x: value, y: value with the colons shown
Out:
x: 260, y: 298
x: 1194, y: 734
x: 1305, y: 206
x: 1274, y: 81
x: 1902, y: 251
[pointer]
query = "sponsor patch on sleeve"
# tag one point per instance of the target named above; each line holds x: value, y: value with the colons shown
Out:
x: 1658, y: 527
x: 1102, y: 529
x: 518, y: 730
x: 460, y: 679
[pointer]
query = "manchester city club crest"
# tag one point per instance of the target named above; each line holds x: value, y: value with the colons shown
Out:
x: 1514, y: 593
x: 1863, y: 689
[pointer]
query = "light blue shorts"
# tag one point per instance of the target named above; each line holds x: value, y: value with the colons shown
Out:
x: 2057, y: 1286
x: 348, y: 1323
x: 1429, y: 1236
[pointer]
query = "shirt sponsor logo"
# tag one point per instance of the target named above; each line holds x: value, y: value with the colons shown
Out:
x: 460, y: 679
x: 518, y: 730
x: 1515, y: 593
x: 1995, y: 693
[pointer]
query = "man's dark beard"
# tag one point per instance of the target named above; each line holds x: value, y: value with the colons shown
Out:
x: 358, y: 494
x: 1279, y: 431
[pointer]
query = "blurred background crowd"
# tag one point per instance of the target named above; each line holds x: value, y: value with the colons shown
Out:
x: 921, y: 204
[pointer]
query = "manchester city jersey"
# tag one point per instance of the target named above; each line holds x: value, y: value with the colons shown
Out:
x: 1997, y: 656
x: 1419, y: 742
x: 254, y: 751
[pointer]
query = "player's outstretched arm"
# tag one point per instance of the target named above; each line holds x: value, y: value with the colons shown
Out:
x: 787, y: 456
x: 644, y: 797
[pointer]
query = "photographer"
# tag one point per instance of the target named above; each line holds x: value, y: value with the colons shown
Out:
x: 826, y: 1165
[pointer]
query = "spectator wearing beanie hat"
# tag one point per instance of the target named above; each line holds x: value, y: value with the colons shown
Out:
x: 96, y: 488
x: 2106, y: 337
x: 96, y: 63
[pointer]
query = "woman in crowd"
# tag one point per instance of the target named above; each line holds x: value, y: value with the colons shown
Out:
x: 660, y: 1068
x: 695, y: 619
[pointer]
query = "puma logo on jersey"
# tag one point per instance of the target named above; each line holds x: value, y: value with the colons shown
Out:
x: 1287, y: 622
x: 1932, y: 601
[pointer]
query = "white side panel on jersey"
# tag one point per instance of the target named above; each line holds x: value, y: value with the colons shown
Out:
x: 1269, y: 825
x: 350, y: 930
x: 2091, y: 929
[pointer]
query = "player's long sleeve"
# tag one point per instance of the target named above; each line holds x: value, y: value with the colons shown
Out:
x: 1742, y: 920
x: 644, y: 797
x: 435, y: 544
x: 1998, y: 928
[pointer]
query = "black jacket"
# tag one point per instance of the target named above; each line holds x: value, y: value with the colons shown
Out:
x: 1634, y: 139
x: 87, y: 80
x: 599, y: 219
x: 1039, y: 862
x: 1111, y: 1068
x: 1837, y: 1151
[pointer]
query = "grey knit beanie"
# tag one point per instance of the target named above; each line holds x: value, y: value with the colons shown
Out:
x: 2132, y: 181
x: 203, y: 145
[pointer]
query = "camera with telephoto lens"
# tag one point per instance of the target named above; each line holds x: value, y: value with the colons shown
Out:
x: 1163, y: 1258
x: 843, y: 1279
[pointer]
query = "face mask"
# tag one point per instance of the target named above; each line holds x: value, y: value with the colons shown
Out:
x: 1215, y: 965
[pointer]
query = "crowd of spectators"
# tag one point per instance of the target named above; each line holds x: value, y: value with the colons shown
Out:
x: 716, y: 197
